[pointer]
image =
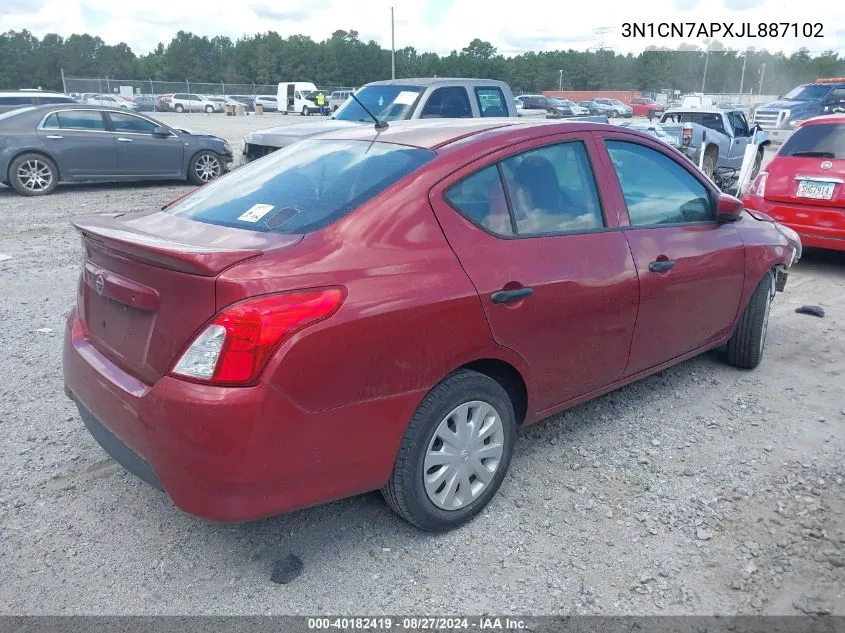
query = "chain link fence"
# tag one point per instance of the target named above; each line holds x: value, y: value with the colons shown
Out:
x: 132, y: 87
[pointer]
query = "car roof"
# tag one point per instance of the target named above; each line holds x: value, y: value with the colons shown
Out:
x: 434, y: 81
x: 436, y: 133
x: 825, y: 118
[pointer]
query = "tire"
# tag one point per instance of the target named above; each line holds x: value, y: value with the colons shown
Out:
x: 209, y: 109
x: 305, y: 111
x: 334, y: 108
x: 708, y: 165
x: 427, y: 505
x: 745, y: 347
x: 179, y: 108
x: 33, y: 174
x: 204, y: 167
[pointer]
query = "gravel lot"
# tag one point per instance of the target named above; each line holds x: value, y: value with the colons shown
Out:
x: 700, y: 490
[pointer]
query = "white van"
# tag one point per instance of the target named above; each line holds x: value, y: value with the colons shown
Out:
x: 292, y: 97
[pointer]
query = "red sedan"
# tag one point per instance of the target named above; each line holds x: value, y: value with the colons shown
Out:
x: 804, y: 185
x: 643, y: 106
x: 384, y: 308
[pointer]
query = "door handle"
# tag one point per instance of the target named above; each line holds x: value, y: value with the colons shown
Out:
x: 124, y: 140
x: 662, y: 265
x: 55, y: 136
x: 507, y: 296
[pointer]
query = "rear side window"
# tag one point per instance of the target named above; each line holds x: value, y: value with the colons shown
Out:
x: 481, y: 199
x: 15, y: 101
x: 825, y: 140
x: 491, y: 102
x: 657, y: 189
x: 303, y: 187
x: 81, y: 120
x: 448, y: 103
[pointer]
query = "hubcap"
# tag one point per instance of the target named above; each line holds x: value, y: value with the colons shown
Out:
x: 207, y: 167
x: 35, y: 175
x: 463, y: 455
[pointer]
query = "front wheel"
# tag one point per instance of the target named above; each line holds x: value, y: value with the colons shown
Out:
x: 305, y: 111
x: 708, y: 166
x: 205, y: 167
x: 455, y: 453
x: 179, y: 107
x: 209, y: 109
x: 745, y: 347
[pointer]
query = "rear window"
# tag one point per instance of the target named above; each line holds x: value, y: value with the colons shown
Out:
x: 826, y: 140
x: 303, y: 187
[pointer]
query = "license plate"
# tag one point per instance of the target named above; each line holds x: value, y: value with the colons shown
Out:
x: 815, y: 190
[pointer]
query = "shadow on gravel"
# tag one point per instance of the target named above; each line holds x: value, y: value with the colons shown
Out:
x: 815, y: 260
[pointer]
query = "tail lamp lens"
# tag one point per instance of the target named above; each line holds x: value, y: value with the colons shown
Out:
x: 234, y: 348
x: 758, y: 187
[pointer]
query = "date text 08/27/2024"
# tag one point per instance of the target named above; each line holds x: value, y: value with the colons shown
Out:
x: 721, y: 29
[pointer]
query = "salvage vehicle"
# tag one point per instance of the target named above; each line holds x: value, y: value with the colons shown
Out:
x: 296, y: 96
x: 383, y: 307
x: 187, y: 102
x: 112, y: 101
x: 649, y: 108
x: 617, y: 108
x: 720, y: 135
x: 779, y: 118
x: 803, y: 187
x: 45, y: 145
x: 393, y: 100
x: 652, y: 129
x: 12, y: 100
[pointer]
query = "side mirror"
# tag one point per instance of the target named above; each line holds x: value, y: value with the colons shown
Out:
x: 161, y: 131
x: 729, y: 209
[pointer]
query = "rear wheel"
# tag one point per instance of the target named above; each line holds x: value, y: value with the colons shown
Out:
x: 209, y: 109
x: 455, y: 453
x: 33, y: 175
x: 205, y: 167
x: 179, y: 107
x: 745, y: 347
x: 708, y: 165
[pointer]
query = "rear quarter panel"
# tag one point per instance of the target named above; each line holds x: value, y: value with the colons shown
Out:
x: 410, y: 317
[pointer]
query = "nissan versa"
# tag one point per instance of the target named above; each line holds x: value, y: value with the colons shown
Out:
x: 383, y: 307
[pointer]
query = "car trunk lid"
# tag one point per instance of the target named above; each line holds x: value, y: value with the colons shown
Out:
x: 143, y: 293
x: 811, y: 181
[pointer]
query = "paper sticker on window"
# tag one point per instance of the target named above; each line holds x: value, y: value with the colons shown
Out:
x: 406, y: 97
x: 256, y: 212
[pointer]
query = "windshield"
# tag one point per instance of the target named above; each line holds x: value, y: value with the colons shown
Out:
x: 826, y: 140
x: 303, y: 187
x: 388, y: 103
x: 810, y: 92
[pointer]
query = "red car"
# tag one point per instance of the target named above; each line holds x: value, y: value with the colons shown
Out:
x: 643, y: 106
x: 804, y: 185
x: 383, y: 308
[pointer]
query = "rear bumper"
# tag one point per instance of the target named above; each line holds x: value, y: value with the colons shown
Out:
x: 819, y: 227
x: 232, y: 454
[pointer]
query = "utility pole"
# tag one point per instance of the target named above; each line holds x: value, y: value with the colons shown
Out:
x: 706, y: 61
x: 742, y: 77
x: 560, y: 83
x: 392, y: 47
x: 762, y: 72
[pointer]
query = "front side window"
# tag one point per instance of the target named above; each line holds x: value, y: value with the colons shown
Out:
x: 302, y: 187
x: 549, y: 190
x: 131, y: 124
x: 657, y: 189
x: 81, y: 120
x: 447, y: 103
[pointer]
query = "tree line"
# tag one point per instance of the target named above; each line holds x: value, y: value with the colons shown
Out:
x: 345, y: 60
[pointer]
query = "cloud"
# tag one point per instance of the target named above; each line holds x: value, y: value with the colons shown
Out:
x: 22, y: 6
x: 740, y: 5
x: 296, y: 14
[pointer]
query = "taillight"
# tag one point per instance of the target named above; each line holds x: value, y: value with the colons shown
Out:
x: 235, y: 346
x: 758, y: 187
x: 686, y: 134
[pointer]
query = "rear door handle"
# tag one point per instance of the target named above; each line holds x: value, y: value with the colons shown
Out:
x: 662, y: 265
x: 55, y: 136
x: 507, y: 296
x: 124, y: 140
